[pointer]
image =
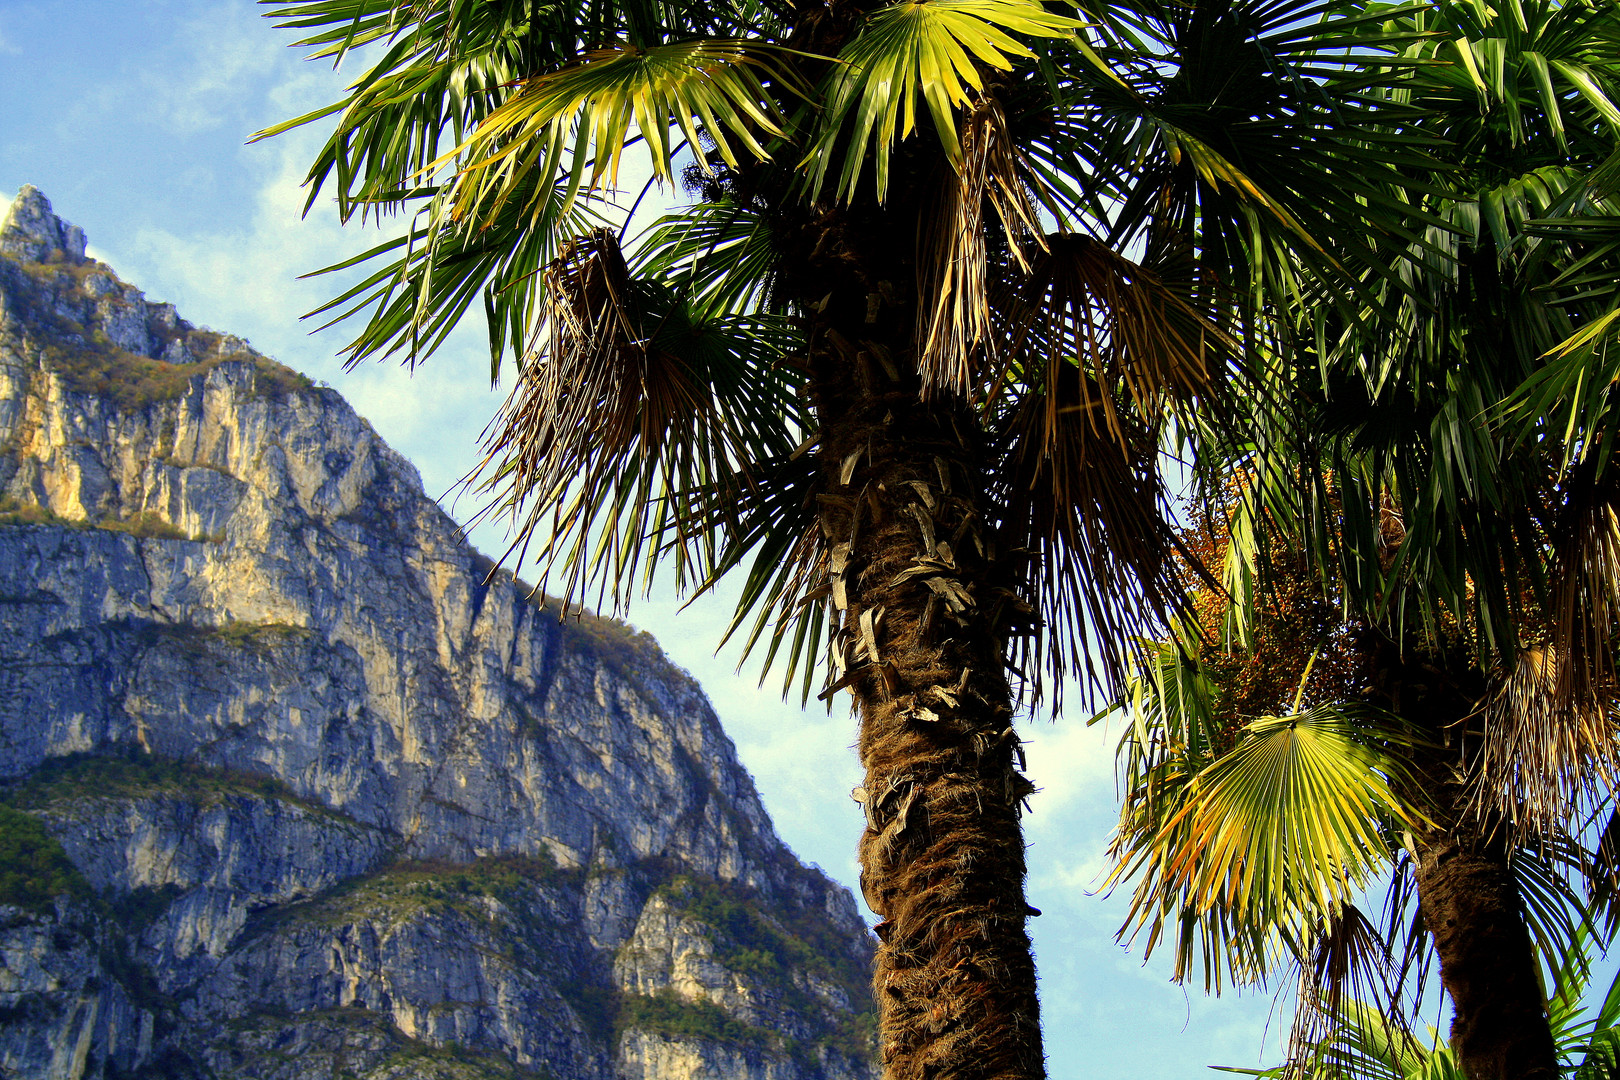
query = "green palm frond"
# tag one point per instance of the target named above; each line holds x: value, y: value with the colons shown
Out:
x: 436, y: 272
x: 443, y: 68
x: 1548, y: 875
x: 1365, y: 1043
x: 1571, y: 398
x: 1541, y: 65
x: 1171, y: 728
x: 1249, y: 134
x: 584, y: 113
x: 1297, y: 807
x: 1347, y: 968
x: 496, y: 119
x: 1271, y: 837
x: 1362, y: 1047
x: 721, y: 254
x: 919, y: 48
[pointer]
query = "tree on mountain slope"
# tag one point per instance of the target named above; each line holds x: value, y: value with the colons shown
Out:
x: 885, y: 364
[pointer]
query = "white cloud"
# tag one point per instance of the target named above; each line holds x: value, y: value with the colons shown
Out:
x: 1070, y: 762
x: 213, y: 71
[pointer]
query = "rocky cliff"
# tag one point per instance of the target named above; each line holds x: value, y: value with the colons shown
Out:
x: 293, y: 787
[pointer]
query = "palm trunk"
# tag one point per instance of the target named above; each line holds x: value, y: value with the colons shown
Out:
x: 1471, y: 907
x: 1466, y: 891
x: 922, y: 643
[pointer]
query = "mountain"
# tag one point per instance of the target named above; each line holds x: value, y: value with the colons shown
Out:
x: 293, y: 785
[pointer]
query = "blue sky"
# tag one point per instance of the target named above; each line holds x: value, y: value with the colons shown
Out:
x: 132, y: 118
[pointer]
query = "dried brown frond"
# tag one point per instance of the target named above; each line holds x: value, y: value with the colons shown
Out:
x: 1544, y: 748
x: 1086, y: 508
x: 1099, y: 351
x: 1550, y: 737
x: 1586, y: 603
x: 953, y: 262
x: 1082, y: 302
x: 594, y: 404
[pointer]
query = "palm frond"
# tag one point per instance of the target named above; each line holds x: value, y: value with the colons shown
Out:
x: 931, y: 49
x: 1543, y: 747
x: 1169, y: 710
x: 1348, y: 973
x: 1083, y: 302
x: 1097, y: 352
x: 437, y: 271
x: 784, y: 599
x: 720, y: 253
x: 557, y: 123
x: 1542, y: 68
x: 1271, y: 838
x: 1547, y: 874
x: 953, y: 270
x: 1083, y: 500
x: 1249, y: 133
x: 633, y: 424
x: 1549, y: 742
x: 1296, y: 808
x: 442, y: 69
x: 1359, y: 1045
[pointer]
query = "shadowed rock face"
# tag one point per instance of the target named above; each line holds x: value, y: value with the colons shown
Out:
x: 336, y: 803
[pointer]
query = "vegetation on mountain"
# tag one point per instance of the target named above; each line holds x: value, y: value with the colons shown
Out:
x: 34, y: 870
x: 89, y: 362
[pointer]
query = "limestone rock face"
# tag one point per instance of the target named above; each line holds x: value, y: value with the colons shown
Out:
x: 336, y: 801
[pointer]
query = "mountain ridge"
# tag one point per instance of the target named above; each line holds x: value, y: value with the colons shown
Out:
x: 210, y: 566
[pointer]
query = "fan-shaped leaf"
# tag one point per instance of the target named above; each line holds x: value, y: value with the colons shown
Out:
x: 586, y: 112
x: 927, y: 48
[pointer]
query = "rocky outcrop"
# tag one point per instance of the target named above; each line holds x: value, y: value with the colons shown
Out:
x: 333, y: 798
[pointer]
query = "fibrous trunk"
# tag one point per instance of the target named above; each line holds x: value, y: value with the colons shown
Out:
x: 1466, y: 889
x: 922, y: 649
x: 1472, y: 908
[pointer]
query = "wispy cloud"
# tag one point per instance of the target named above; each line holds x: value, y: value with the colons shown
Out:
x: 215, y: 68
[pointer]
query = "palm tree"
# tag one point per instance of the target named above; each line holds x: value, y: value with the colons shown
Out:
x: 1463, y: 567
x: 885, y: 364
x: 1272, y: 784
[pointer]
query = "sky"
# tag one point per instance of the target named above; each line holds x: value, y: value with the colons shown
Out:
x: 132, y: 118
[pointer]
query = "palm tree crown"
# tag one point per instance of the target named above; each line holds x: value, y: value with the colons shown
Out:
x: 1420, y: 485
